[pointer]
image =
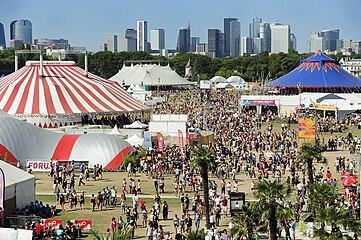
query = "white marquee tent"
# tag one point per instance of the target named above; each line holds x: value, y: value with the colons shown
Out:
x: 237, y: 81
x: 218, y: 79
x: 136, y: 124
x: 19, y: 187
x: 135, y: 140
x: 149, y: 75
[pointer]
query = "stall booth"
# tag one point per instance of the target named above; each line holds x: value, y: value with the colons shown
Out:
x: 260, y: 105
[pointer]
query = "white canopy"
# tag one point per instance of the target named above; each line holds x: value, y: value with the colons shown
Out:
x: 149, y: 75
x: 237, y: 81
x: 136, y: 124
x: 18, y: 184
x: 135, y: 140
x: 115, y: 131
x: 218, y: 79
x: 223, y: 85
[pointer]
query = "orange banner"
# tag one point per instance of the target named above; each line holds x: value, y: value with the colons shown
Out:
x: 306, y: 128
x: 325, y: 107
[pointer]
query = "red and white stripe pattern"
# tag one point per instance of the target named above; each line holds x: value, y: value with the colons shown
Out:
x: 63, y: 89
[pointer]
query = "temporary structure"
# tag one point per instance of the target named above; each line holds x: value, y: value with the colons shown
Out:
x: 237, y: 81
x: 218, y: 79
x: 149, y: 75
x: 19, y: 187
x: 135, y: 140
x: 136, y: 124
x: 58, y: 93
x: 115, y: 131
x: 21, y: 141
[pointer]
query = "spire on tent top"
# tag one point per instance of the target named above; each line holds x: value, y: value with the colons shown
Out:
x: 318, y: 52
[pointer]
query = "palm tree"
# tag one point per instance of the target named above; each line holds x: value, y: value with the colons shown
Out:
x: 123, y: 234
x: 195, y: 235
x: 203, y: 158
x: 271, y: 194
x: 248, y: 222
x: 308, y: 153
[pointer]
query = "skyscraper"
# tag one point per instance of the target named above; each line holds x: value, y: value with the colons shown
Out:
x: 112, y: 43
x: 257, y: 45
x: 184, y: 39
x: 316, y: 42
x: 331, y: 37
x: 234, y: 38
x: 246, y: 45
x: 280, y: 37
x: 254, y: 29
x: 227, y: 34
x: 214, y: 43
x: 2, y: 37
x: 130, y: 33
x: 194, y: 42
x: 293, y: 41
x: 157, y: 39
x: 21, y: 30
x: 265, y: 35
x: 142, y: 35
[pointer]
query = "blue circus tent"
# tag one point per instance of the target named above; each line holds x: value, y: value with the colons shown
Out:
x: 318, y: 73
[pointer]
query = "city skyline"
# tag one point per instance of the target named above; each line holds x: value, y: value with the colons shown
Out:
x: 87, y: 23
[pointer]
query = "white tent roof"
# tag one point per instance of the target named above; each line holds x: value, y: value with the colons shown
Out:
x: 136, y: 124
x: 223, y: 85
x: 135, y: 140
x: 115, y: 131
x: 218, y: 79
x: 149, y: 75
x: 236, y: 80
x: 41, y: 144
x: 18, y: 183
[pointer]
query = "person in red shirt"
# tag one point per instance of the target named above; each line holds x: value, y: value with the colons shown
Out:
x: 39, y: 230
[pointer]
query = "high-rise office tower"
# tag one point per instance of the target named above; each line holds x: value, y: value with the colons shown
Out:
x: 254, y: 29
x: 184, y: 39
x: 2, y: 37
x: 194, y: 42
x: 21, y: 30
x: 265, y: 35
x: 257, y: 45
x: 112, y: 43
x: 280, y: 37
x: 142, y: 35
x: 234, y: 38
x: 157, y: 39
x: 130, y: 33
x: 103, y: 47
x: 215, y: 43
x: 293, y: 41
x: 246, y: 45
x: 316, y: 42
x: 331, y: 37
x: 227, y: 34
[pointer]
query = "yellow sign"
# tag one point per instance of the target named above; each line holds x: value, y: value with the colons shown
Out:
x: 306, y: 128
x: 325, y: 107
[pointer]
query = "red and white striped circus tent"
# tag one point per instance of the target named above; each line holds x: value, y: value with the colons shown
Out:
x: 59, y: 93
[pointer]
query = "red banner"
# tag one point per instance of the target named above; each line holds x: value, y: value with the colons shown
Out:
x: 85, y: 224
x: 52, y: 223
x: 188, y: 138
x: 160, y: 142
x: 2, y: 188
x: 180, y: 141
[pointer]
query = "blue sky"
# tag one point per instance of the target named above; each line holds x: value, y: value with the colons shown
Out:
x: 86, y: 22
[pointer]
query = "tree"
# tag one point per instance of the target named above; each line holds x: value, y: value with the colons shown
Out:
x: 203, y: 158
x: 308, y: 153
x: 123, y: 234
x: 248, y: 222
x: 270, y: 195
x: 195, y: 235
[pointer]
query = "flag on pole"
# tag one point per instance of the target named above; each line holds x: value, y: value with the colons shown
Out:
x: 160, y: 142
x: 188, y: 138
x: 2, y: 188
x: 180, y: 141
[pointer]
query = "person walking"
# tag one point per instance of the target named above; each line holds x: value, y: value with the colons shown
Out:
x: 165, y: 210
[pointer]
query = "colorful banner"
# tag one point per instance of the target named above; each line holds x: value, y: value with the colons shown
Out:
x: 85, y: 224
x: 160, y: 142
x: 52, y: 223
x: 258, y: 102
x: 147, y: 143
x: 2, y: 188
x: 188, y: 138
x: 325, y: 107
x: 40, y: 166
x: 306, y: 128
x: 180, y: 141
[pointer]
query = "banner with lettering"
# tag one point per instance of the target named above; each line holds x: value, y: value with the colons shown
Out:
x: 40, y: 166
x: 306, y: 128
x: 52, y: 223
x: 160, y: 142
x: 85, y: 224
x: 188, y: 138
x: 180, y: 141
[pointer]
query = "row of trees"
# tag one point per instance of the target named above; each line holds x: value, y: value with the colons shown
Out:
x: 273, y: 203
x: 258, y: 68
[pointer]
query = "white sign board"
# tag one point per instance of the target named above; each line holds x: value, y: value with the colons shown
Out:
x: 40, y: 165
